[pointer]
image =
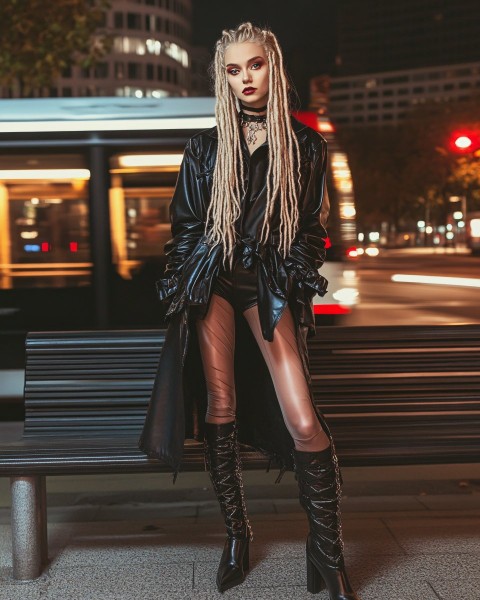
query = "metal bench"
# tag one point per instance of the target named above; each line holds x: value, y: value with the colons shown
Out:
x: 392, y: 395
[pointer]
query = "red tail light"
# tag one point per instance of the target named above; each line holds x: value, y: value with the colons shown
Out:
x: 352, y: 252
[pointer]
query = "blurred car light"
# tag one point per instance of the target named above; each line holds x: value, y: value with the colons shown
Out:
x: 346, y: 296
x: 436, y: 280
x: 372, y: 251
x: 352, y: 252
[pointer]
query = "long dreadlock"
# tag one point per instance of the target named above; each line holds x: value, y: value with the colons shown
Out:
x: 284, y: 151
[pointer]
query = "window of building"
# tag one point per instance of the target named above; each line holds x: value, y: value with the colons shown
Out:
x: 134, y: 70
x: 134, y: 21
x: 160, y: 72
x: 150, y: 71
x: 118, y: 20
x: 119, y: 70
x: 396, y: 79
x: 340, y: 85
x: 100, y: 71
x: 66, y: 92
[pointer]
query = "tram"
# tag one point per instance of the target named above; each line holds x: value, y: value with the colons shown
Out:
x: 85, y: 187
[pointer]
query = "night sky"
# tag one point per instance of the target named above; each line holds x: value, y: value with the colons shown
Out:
x: 306, y: 30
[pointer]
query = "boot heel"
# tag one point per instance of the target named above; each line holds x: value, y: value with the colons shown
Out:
x: 315, y: 582
x: 246, y: 557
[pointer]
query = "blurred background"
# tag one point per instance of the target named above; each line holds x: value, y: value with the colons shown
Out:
x: 99, y: 97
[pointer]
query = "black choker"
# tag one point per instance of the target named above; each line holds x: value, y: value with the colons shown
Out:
x: 242, y: 105
x: 253, y: 123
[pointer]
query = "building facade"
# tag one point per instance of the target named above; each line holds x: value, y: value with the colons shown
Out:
x: 387, y: 97
x: 150, y: 57
x: 395, y: 55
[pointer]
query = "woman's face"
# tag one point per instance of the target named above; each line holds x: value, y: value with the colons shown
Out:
x: 247, y: 67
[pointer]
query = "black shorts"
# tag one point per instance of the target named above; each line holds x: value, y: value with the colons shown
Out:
x: 238, y: 287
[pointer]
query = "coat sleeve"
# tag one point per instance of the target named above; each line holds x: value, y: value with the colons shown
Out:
x: 308, y: 250
x: 186, y: 223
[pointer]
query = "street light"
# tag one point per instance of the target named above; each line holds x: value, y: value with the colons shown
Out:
x: 465, y: 142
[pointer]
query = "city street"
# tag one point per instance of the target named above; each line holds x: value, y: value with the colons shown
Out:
x: 386, y: 302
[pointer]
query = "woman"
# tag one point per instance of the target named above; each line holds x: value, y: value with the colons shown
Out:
x: 242, y: 271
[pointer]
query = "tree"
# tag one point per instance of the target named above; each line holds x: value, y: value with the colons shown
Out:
x: 402, y: 172
x: 39, y: 40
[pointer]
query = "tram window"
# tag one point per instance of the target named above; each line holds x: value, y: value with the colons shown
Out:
x: 44, y: 230
x: 140, y: 197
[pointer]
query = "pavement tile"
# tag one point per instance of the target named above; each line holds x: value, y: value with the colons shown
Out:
x: 451, y: 501
x: 142, y: 511
x: 120, y: 582
x: 379, y: 503
x: 396, y: 590
x: 254, y: 507
x: 269, y: 572
x: 457, y: 588
x: 5, y: 546
x: 414, y: 567
x: 71, y: 514
x: 11, y: 589
x: 434, y: 535
x: 5, y: 515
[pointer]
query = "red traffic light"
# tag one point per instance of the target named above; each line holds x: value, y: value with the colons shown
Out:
x: 464, y: 142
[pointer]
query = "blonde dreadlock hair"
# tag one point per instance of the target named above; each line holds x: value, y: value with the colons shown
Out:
x: 284, y: 151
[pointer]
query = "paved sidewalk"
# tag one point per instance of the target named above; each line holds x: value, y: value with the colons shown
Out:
x: 410, y: 534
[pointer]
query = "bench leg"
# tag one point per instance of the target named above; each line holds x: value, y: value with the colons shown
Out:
x: 29, y: 526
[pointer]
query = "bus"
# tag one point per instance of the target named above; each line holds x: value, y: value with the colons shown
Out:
x: 340, y: 265
x: 85, y: 188
x: 473, y: 232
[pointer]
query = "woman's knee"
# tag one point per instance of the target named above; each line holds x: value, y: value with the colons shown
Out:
x: 305, y: 427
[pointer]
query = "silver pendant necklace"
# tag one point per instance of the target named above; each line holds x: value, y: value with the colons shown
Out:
x: 252, y: 123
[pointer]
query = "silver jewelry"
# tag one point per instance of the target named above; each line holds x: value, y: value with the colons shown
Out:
x: 253, y: 123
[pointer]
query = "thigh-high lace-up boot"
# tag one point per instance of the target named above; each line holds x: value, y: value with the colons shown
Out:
x: 318, y: 477
x: 222, y: 460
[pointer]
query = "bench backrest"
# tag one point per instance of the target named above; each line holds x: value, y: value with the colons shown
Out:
x: 392, y: 395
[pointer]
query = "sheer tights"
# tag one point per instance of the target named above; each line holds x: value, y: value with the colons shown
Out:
x: 216, y: 335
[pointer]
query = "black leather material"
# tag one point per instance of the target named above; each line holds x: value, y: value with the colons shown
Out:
x: 222, y: 460
x: 179, y: 399
x: 191, y: 269
x: 239, y: 286
x: 318, y: 477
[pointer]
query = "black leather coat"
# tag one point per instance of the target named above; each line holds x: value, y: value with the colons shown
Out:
x: 179, y: 399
